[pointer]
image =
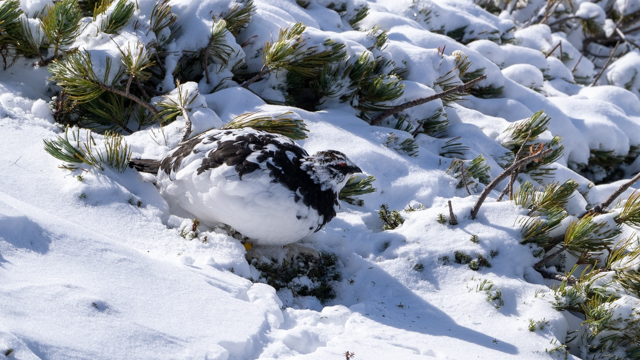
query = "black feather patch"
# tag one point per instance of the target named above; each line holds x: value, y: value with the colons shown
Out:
x: 270, y: 149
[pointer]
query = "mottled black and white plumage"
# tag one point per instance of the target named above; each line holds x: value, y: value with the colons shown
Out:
x: 262, y: 184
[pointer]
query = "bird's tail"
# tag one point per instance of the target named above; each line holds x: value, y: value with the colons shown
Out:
x: 145, y: 165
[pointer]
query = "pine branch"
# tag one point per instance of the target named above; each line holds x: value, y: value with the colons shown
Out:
x: 514, y: 175
x: 605, y: 65
x: 264, y: 71
x: 600, y: 208
x: 131, y: 97
x: 554, y: 49
x: 145, y: 165
x: 570, y: 280
x: 497, y: 180
x: 424, y: 100
x: 452, y: 216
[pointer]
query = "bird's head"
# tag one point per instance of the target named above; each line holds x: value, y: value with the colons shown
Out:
x: 330, y: 169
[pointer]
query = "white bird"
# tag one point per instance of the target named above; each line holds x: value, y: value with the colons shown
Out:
x: 261, y: 184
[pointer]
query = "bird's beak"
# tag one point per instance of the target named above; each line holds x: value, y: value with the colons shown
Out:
x: 354, y: 170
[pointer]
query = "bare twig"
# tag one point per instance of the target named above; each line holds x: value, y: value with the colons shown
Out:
x: 571, y: 280
x: 507, y: 172
x: 563, y: 20
x: 452, y: 216
x: 145, y: 165
x: 606, y: 64
x: 554, y: 49
x: 132, y: 97
x: 396, y: 109
x: 541, y: 263
x: 144, y: 93
x: 514, y: 175
x: 187, y: 126
x: 464, y: 181
x: 264, y: 71
x: 576, y: 65
x: 627, y: 40
x: 602, y: 206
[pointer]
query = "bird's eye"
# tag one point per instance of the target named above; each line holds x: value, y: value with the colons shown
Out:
x: 342, y: 164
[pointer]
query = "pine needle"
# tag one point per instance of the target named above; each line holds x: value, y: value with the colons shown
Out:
x: 357, y: 185
x: 281, y: 124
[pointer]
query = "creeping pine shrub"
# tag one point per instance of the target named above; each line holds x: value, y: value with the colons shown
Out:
x: 305, y: 275
x: 391, y: 219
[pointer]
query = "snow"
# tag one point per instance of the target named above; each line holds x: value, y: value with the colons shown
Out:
x: 96, y: 264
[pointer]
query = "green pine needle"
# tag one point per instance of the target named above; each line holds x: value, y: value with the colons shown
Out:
x: 359, y: 16
x: 630, y: 214
x: 119, y: 18
x: 293, y: 128
x: 453, y: 148
x: 391, y: 219
x: 76, y: 76
x: 357, y: 185
x: 218, y: 46
x: 587, y: 236
x: 238, y: 18
x: 61, y: 24
x: 162, y: 18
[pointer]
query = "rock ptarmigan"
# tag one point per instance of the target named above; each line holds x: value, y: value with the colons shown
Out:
x: 262, y: 184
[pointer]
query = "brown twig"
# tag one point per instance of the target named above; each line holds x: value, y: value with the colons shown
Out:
x: 554, y: 49
x: 571, y: 280
x: 396, y: 109
x: 464, y: 181
x: 132, y: 97
x: 578, y: 62
x: 561, y: 21
x: 188, y: 126
x: 452, y: 216
x: 603, y: 205
x: 606, y: 64
x: 507, y: 172
x: 514, y: 175
x: 264, y: 71
x: 622, y: 35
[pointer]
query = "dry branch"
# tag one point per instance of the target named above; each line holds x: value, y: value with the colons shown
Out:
x: 605, y: 65
x: 507, y: 172
x: 602, y: 206
x: 452, y: 216
x: 396, y: 109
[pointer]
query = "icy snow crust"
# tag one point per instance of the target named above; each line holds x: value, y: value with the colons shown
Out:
x: 97, y: 269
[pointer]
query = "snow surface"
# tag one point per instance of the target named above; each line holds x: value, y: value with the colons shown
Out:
x: 87, y: 273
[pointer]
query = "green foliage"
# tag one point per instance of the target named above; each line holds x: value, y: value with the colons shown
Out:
x: 171, y: 109
x: 162, y: 18
x: 470, y: 173
x: 218, y: 47
x: 136, y: 61
x: 238, y: 18
x: 76, y: 76
x: 61, y: 24
x: 107, y: 112
x: 535, y: 125
x: 536, y: 229
x: 357, y: 185
x: 552, y: 197
x: 435, y: 125
x: 453, y: 148
x: 118, y: 18
x: 361, y: 13
x: 441, y: 219
x: 474, y: 239
x: 479, y: 263
x: 461, y: 257
x: 379, y: 38
x: 586, y: 237
x: 322, y: 274
x: 494, y: 296
x: 280, y: 124
x: 391, y: 219
x: 407, y: 146
x: 117, y: 153
x: 630, y: 214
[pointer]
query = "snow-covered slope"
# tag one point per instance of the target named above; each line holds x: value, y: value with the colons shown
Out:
x: 95, y: 265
